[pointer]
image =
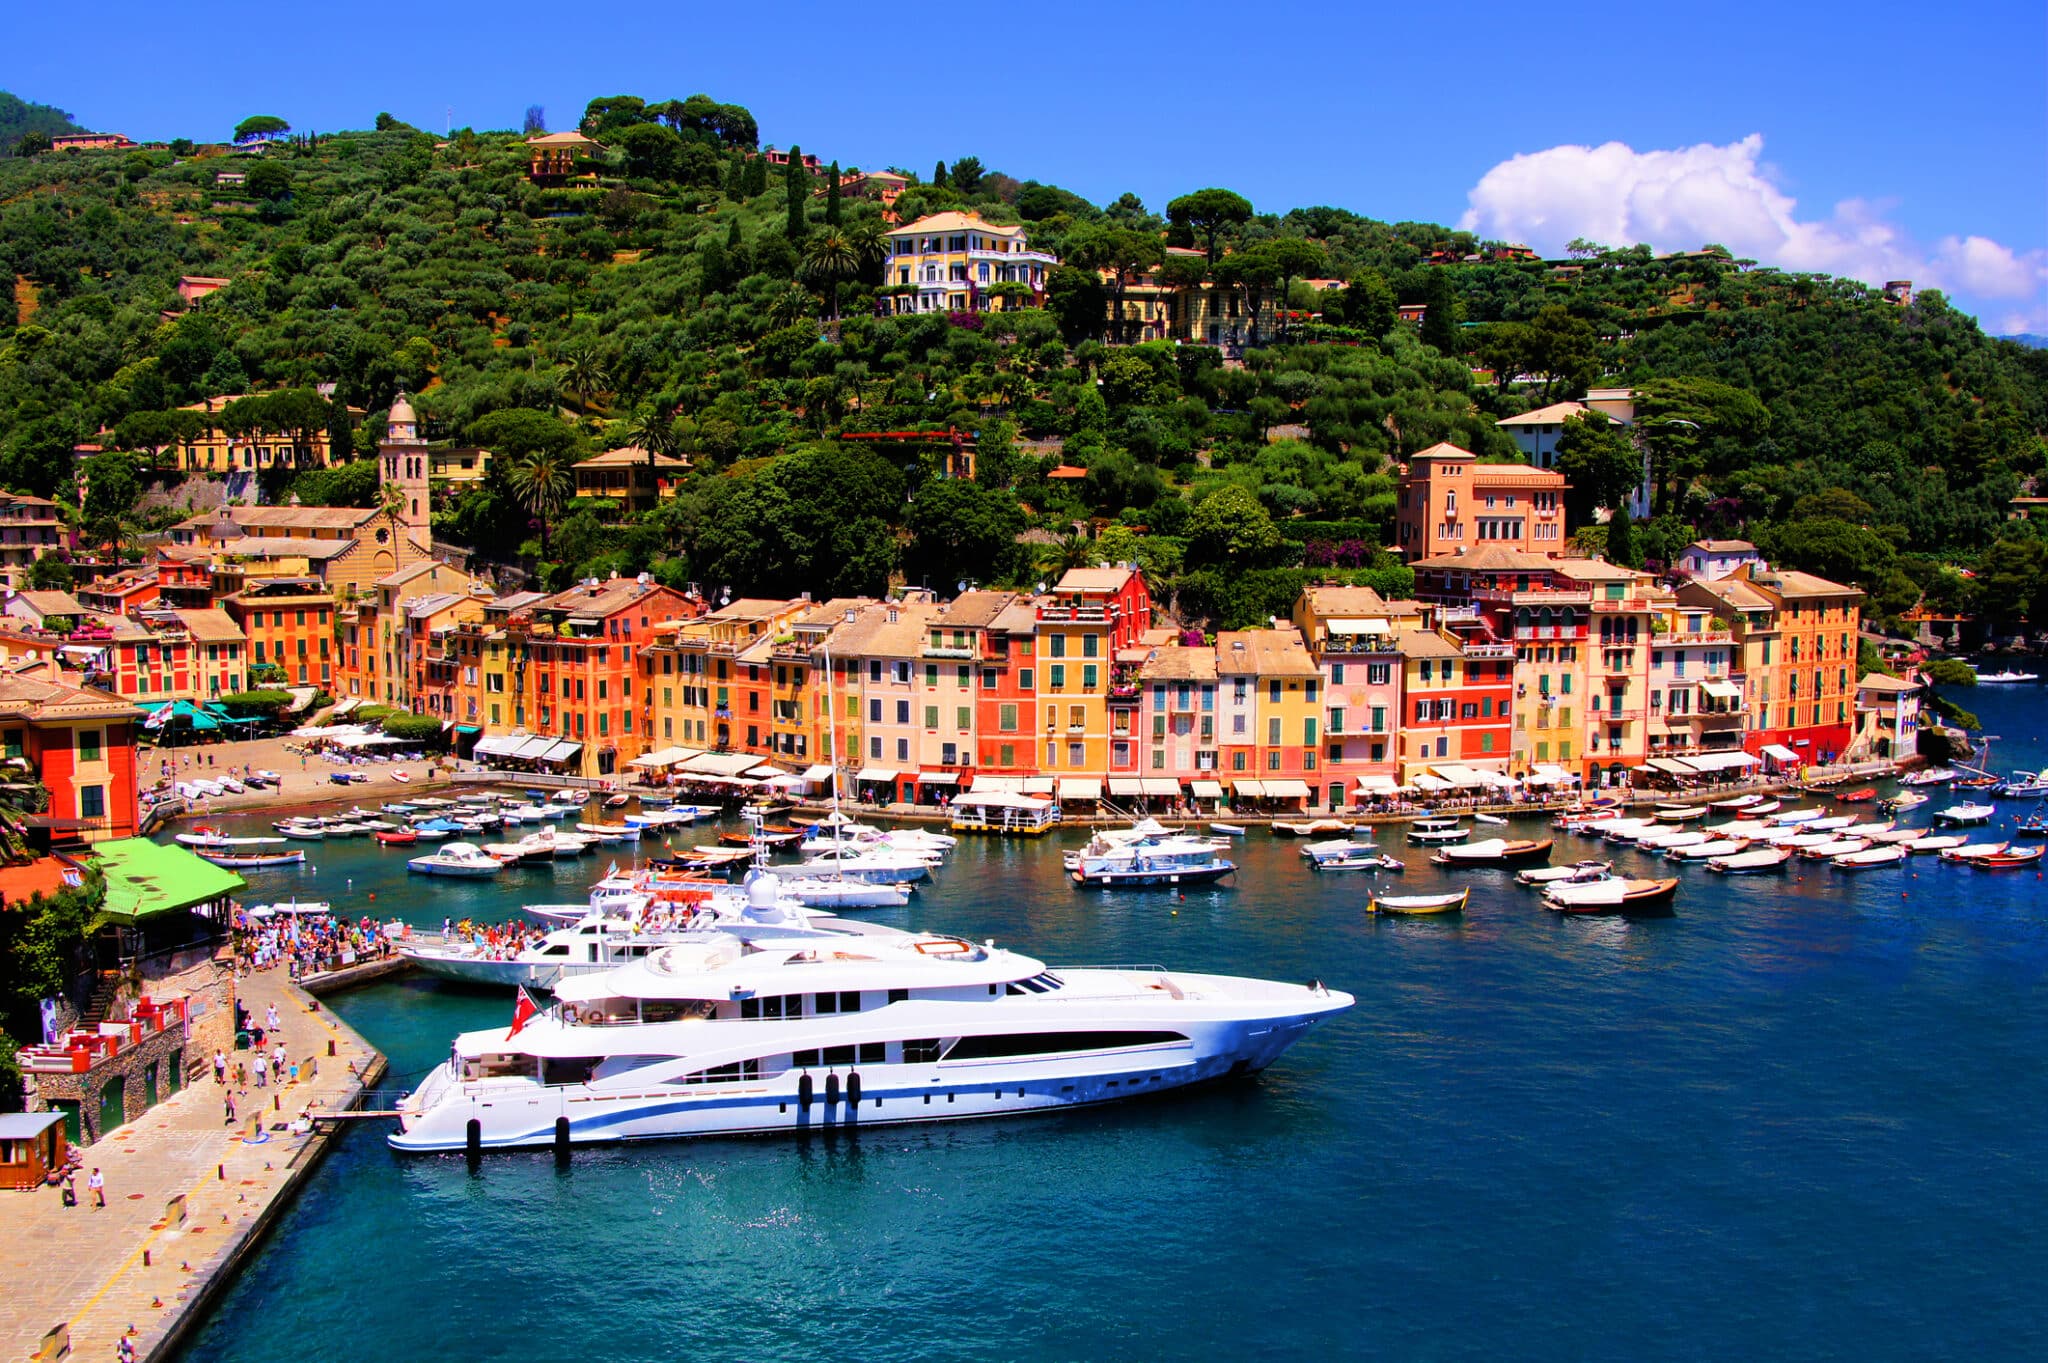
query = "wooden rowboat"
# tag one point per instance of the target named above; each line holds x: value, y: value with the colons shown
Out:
x: 1418, y: 903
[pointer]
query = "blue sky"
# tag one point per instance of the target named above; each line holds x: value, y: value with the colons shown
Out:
x: 1930, y: 123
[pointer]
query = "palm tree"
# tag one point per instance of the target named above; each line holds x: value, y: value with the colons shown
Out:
x: 655, y: 432
x: 1073, y: 550
x: 790, y: 306
x: 830, y: 257
x: 584, y: 373
x: 543, y: 484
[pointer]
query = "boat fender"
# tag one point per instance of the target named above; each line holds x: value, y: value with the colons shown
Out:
x: 803, y: 1094
x: 853, y: 1095
x: 831, y: 1090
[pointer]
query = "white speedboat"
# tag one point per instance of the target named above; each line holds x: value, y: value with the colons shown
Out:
x: 1964, y: 814
x: 1437, y: 831
x: 834, y: 893
x: 882, y: 865
x: 307, y: 830
x: 2006, y: 675
x: 1931, y: 776
x: 1166, y: 860
x: 461, y: 859
x: 1755, y: 861
x: 723, y: 1037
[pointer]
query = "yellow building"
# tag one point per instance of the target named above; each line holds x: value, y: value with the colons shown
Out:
x: 218, y: 650
x: 958, y: 262
x: 214, y: 450
x: 1815, y: 673
x: 1623, y: 615
x: 708, y: 681
x: 1286, y: 710
x: 1082, y: 623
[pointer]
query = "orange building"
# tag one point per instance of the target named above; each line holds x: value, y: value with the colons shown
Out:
x: 289, y: 622
x: 81, y: 743
x: 1448, y: 501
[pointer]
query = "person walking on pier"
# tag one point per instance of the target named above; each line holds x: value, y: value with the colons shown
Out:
x: 220, y: 1066
x: 270, y: 1018
x: 98, y: 1187
x: 231, y: 1107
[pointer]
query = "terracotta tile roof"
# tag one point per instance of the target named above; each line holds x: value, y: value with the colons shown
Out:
x: 1723, y: 546
x: 1494, y: 558
x: 606, y: 598
x: 629, y: 456
x: 1594, y: 570
x: 1555, y: 414
x: 874, y: 634
x: 24, y: 696
x: 1342, y: 601
x: 1264, y: 653
x: 1094, y: 579
x: 1422, y: 643
x: 954, y: 222
x: 52, y: 603
x: 1175, y: 662
x: 1443, y: 449
x: 286, y: 517
x: 974, y: 610
x: 210, y: 626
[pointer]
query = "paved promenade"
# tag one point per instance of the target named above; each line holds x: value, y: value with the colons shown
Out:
x: 86, y: 1266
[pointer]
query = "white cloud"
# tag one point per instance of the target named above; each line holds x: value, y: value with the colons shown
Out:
x: 1688, y: 196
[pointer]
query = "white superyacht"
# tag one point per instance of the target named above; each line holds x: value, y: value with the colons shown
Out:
x: 722, y: 1036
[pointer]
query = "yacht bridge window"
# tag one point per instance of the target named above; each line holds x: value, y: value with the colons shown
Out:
x: 1009, y: 1046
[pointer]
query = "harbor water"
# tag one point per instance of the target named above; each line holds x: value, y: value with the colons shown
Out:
x: 1802, y: 1116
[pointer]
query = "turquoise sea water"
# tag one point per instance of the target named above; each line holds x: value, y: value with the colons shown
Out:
x: 1802, y: 1117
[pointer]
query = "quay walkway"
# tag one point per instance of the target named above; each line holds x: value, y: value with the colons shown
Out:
x: 187, y: 1199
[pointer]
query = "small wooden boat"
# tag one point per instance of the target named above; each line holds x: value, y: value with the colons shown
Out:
x: 616, y: 801
x: 2009, y: 859
x: 1418, y: 903
x: 1940, y: 842
x: 1356, y: 857
x: 1612, y: 895
x: 1971, y: 851
x: 1870, y: 858
x: 1707, y: 851
x: 1755, y: 861
x: 251, y: 861
x: 401, y: 778
x: 1859, y: 797
x: 1577, y: 871
x: 1680, y: 813
x: 1494, y: 852
x: 1739, y: 802
x: 1229, y: 829
x: 1767, y: 807
x: 1834, y: 847
x: 1309, y: 828
x: 2033, y: 826
x: 774, y: 834
x: 397, y: 837
x: 1436, y: 830
x: 1496, y: 820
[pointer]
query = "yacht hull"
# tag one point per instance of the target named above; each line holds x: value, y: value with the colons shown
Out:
x: 525, y: 1114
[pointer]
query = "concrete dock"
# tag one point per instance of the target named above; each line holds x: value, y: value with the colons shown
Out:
x: 148, y: 1264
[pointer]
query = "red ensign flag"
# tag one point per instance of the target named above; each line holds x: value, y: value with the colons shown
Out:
x: 522, y: 1012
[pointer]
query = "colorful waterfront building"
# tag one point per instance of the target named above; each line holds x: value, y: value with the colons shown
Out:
x: 1625, y: 611
x: 706, y: 673
x: 1083, y: 623
x: 80, y: 744
x: 1697, y: 702
x: 1448, y: 500
x: 1351, y: 633
x: 1178, y: 687
x: 289, y: 623
x: 884, y: 647
x: 29, y: 529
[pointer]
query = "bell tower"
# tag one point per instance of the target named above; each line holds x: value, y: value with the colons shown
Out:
x: 404, y: 457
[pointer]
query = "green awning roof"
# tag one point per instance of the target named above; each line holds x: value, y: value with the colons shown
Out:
x: 145, y: 877
x: 469, y: 728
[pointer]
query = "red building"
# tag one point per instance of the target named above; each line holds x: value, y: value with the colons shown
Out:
x: 578, y: 652
x: 81, y: 743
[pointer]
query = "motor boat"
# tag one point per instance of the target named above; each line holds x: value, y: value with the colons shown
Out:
x: 1833, y: 823
x: 2023, y: 785
x: 2033, y: 826
x: 1354, y: 856
x: 1625, y: 830
x: 1958, y: 816
x: 609, y: 832
x: 1939, y: 842
x: 440, y: 830
x: 1904, y: 800
x: 1755, y: 861
x: 461, y: 859
x: 1229, y: 830
x: 1309, y: 828
x: 397, y: 837
x: 833, y: 893
x: 1494, y: 852
x: 203, y: 836
x: 1335, y: 847
x: 2008, y: 859
x: 250, y: 861
x: 879, y: 864
x: 1899, y: 836
x: 1578, y: 871
x: 659, y: 819
x: 308, y: 830
x: 1858, y: 797
x: 1869, y: 829
x: 1437, y: 830
x: 1970, y: 851
x: 768, y: 835
x: 1418, y: 904
x: 1706, y: 851
x: 2006, y: 675
x: 720, y: 1035
x: 1612, y: 895
x: 1745, y: 829
x: 1496, y: 820
x: 1931, y: 776
x: 1870, y: 858
x: 1170, y: 860
x: 1834, y: 847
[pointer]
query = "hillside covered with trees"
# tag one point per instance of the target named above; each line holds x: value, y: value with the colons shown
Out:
x: 691, y: 300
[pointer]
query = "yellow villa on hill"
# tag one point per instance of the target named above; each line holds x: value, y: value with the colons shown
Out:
x: 950, y: 262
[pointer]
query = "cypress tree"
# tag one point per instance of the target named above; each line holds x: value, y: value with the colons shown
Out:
x: 939, y: 176
x: 757, y: 176
x: 796, y: 185
x: 736, y: 176
x: 1621, y: 539
x: 832, y: 195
